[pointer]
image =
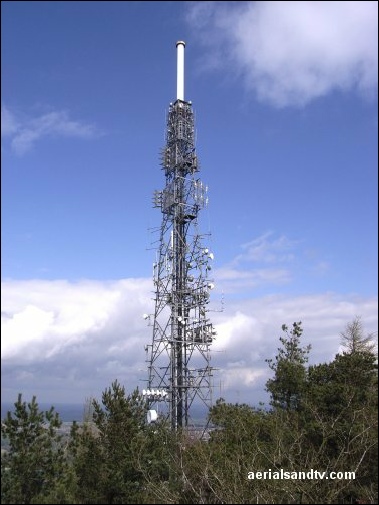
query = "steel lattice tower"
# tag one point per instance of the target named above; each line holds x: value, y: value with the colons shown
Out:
x: 179, y: 370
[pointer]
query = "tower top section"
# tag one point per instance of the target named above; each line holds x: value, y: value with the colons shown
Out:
x: 180, y: 45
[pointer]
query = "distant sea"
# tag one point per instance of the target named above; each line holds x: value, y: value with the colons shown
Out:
x: 68, y: 412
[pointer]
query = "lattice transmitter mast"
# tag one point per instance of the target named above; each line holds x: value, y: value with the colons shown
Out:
x: 179, y: 370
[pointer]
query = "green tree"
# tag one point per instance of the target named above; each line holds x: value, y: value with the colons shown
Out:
x: 35, y: 463
x: 288, y: 384
x: 156, y: 452
x: 103, y: 449
x: 341, y: 415
x: 325, y: 419
x: 212, y: 471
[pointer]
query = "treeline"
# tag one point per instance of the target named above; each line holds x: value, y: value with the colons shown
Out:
x: 321, y: 418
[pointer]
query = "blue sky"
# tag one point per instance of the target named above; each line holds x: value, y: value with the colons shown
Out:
x: 285, y: 96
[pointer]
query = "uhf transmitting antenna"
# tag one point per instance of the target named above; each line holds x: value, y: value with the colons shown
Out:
x: 179, y: 370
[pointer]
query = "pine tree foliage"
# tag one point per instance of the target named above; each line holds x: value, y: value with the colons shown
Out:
x: 35, y: 463
x: 289, y: 367
x: 321, y: 417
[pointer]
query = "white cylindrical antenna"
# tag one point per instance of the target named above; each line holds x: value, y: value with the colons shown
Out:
x: 180, y: 70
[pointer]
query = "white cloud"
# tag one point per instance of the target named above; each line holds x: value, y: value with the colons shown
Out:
x: 290, y: 53
x: 67, y: 341
x: 41, y: 319
x: 233, y: 280
x: 24, y: 133
x: 271, y: 262
x: 9, y: 124
x: 249, y: 331
x: 267, y: 249
x: 265, y: 260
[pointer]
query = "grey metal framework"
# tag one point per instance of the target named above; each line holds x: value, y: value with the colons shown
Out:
x: 179, y: 369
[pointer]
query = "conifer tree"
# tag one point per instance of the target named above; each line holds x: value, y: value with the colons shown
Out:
x: 289, y: 367
x: 35, y: 462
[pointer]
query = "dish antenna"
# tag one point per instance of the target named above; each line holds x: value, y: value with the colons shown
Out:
x: 152, y: 416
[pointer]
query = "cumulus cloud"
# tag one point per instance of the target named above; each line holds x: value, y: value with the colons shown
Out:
x: 25, y: 132
x: 289, y: 53
x: 249, y: 331
x: 42, y: 319
x: 67, y: 341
